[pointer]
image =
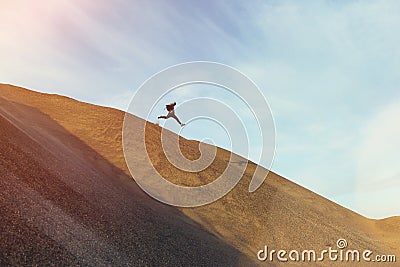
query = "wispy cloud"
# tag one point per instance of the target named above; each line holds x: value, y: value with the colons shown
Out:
x: 379, y: 150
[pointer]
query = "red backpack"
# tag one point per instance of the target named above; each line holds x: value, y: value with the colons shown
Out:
x: 170, y: 106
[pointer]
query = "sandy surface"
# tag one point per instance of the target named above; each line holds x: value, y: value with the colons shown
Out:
x: 63, y: 203
x: 68, y: 198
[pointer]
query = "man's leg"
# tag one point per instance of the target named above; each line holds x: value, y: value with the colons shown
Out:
x: 176, y: 118
x: 162, y: 117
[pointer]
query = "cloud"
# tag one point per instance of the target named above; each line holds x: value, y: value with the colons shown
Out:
x: 376, y: 185
x: 379, y: 150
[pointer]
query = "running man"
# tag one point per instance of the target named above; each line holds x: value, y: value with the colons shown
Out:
x: 171, y: 113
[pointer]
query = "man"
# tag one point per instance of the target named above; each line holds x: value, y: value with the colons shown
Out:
x: 171, y: 113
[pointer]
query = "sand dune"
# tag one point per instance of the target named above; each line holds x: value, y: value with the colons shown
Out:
x: 67, y: 196
x: 63, y: 203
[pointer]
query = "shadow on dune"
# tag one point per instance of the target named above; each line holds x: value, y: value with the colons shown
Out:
x: 62, y: 203
x: 67, y: 198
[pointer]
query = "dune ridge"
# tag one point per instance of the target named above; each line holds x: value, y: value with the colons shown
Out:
x: 280, y: 214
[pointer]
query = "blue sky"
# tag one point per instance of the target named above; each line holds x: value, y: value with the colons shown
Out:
x: 329, y: 70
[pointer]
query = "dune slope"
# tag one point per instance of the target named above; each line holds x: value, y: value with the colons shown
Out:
x: 78, y: 146
x: 63, y: 203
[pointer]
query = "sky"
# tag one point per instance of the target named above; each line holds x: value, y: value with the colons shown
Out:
x: 328, y: 69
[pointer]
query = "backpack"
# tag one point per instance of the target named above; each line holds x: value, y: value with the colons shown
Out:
x: 170, y: 106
